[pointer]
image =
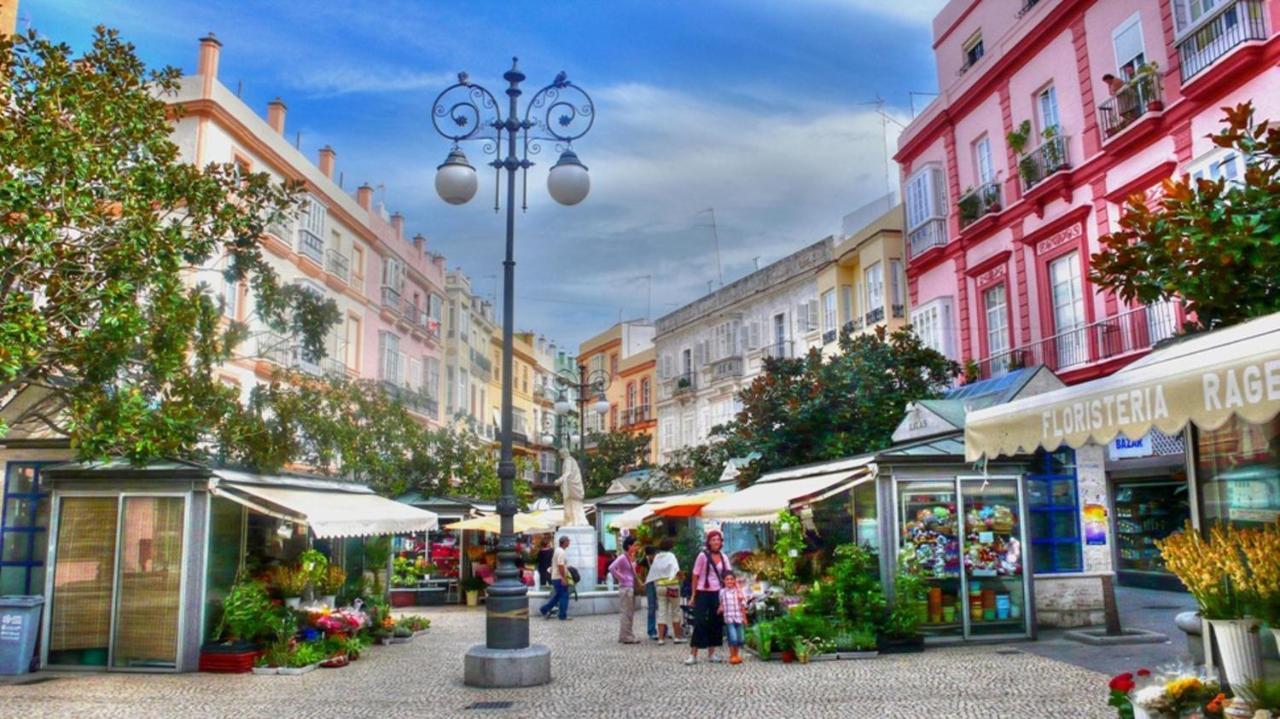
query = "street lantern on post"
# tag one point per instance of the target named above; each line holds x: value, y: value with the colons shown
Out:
x: 557, y: 115
x: 588, y: 387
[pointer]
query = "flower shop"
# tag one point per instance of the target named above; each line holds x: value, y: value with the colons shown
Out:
x: 175, y: 566
x: 1221, y: 391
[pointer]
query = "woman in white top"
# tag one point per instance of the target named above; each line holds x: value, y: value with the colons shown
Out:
x: 663, y: 571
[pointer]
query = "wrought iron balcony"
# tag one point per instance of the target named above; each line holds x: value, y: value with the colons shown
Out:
x: 853, y: 326
x: 1130, y: 332
x: 311, y: 245
x: 414, y: 400
x: 391, y: 298
x: 682, y: 384
x: 898, y: 311
x: 1140, y: 95
x: 412, y: 313
x: 279, y: 230
x: 338, y: 265
x: 978, y: 203
x: 927, y: 236
x: 784, y: 349
x: 1026, y: 7
x: 1229, y: 25
x: 286, y: 352
x: 1043, y: 161
x: 636, y: 415
x: 726, y: 368
x: 875, y: 315
x: 481, y: 362
x: 829, y: 336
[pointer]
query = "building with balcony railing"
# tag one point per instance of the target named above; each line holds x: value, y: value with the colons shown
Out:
x: 469, y: 329
x: 1026, y: 158
x: 864, y: 287
x: 708, y: 350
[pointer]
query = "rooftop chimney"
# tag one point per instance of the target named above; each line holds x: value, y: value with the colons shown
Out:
x: 275, y: 115
x: 208, y: 62
x: 419, y: 242
x: 327, y: 156
x: 364, y: 196
x: 397, y: 221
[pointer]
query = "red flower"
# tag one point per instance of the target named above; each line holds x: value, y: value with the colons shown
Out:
x: 1122, y: 683
x: 1144, y: 672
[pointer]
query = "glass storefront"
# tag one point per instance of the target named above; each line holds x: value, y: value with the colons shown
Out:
x: 966, y: 536
x: 1238, y: 473
x: 1147, y: 511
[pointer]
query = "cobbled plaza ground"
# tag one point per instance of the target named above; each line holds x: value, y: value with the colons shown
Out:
x: 594, y: 676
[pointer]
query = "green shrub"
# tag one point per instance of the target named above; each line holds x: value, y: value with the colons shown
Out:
x: 246, y: 611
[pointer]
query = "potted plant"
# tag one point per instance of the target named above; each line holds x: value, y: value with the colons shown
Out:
x: 246, y: 614
x: 804, y: 648
x: 473, y: 586
x: 405, y: 578
x: 968, y: 206
x: 902, y: 624
x: 282, y: 627
x: 290, y: 582
x: 305, y: 657
x: 415, y: 623
x: 330, y: 583
x: 401, y: 634
x: 857, y: 642
x: 1149, y: 74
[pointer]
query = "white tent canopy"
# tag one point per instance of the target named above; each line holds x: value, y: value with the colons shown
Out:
x: 635, y: 517
x: 774, y: 492
x: 1204, y: 379
x: 327, y: 510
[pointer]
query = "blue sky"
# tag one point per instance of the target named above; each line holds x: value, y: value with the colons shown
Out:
x: 758, y: 109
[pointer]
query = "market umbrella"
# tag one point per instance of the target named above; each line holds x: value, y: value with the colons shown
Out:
x: 687, y: 505
x: 521, y: 523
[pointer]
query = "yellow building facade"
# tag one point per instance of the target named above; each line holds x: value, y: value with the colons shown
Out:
x: 864, y: 287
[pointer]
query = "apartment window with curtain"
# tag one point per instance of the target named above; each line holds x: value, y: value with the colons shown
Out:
x: 829, y: 311
x: 982, y: 161
x: 1128, y: 44
x: 874, y: 278
x: 1047, y: 109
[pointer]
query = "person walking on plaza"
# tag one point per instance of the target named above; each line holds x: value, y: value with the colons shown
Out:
x: 662, y: 584
x: 559, y: 582
x: 708, y: 579
x: 733, y: 609
x: 650, y: 592
x: 623, y: 571
x: 545, y: 552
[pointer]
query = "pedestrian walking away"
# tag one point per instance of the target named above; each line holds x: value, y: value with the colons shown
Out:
x: 559, y: 582
x: 623, y: 571
x: 709, y: 571
x: 663, y: 583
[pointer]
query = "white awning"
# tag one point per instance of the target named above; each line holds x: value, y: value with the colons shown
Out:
x: 1204, y: 379
x: 332, y: 513
x: 634, y: 517
x: 762, y: 501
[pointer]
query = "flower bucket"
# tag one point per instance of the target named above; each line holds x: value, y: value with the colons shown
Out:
x: 330, y: 600
x: 1240, y: 645
x: 788, y: 656
x: 293, y: 602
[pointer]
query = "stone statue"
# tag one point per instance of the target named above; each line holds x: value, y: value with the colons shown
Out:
x: 571, y: 488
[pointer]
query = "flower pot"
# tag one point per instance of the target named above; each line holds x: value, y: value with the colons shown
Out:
x: 788, y: 656
x: 403, y: 597
x: 1240, y: 645
x: 330, y: 600
x: 294, y: 671
x: 473, y: 597
x: 293, y: 602
x: 1155, y: 106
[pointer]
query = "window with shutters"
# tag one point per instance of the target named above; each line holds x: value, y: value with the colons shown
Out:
x: 413, y: 378
x: 1130, y: 51
x: 926, y: 210
x: 686, y: 361
x: 829, y: 312
x: 431, y: 385
x: 389, y: 357
x: 932, y: 323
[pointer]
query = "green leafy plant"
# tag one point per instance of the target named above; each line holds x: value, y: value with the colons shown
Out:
x: 401, y: 632
x: 788, y: 542
x: 314, y: 566
x: 861, y: 638
x: 1266, y: 694
x: 307, y: 653
x: 909, y: 590
x: 289, y: 581
x: 760, y: 636
x: 333, y: 580
x: 859, y: 598
x: 473, y: 584
x: 282, y: 627
x: 246, y: 611
x: 405, y: 573
x: 414, y: 622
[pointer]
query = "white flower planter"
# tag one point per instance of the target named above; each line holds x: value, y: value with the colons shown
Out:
x: 1240, y: 645
x: 330, y: 600
x: 294, y: 671
x: 266, y: 670
x: 293, y: 602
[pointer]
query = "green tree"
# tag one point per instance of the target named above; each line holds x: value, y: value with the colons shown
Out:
x: 614, y: 454
x: 701, y: 465
x: 809, y: 409
x: 104, y: 336
x: 1212, y: 244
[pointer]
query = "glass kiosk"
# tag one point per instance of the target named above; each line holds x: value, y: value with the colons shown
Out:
x: 967, y: 537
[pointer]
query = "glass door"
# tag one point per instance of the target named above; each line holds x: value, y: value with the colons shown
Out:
x: 83, y: 577
x: 1068, y: 310
x: 149, y: 593
x: 931, y: 541
x: 994, y: 536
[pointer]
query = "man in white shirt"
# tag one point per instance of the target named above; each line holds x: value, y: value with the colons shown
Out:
x: 559, y: 583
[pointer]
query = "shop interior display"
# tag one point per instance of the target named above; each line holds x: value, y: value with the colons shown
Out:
x: 1145, y: 513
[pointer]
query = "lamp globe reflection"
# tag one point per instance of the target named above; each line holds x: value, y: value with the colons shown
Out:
x: 456, y: 180
x: 568, y: 182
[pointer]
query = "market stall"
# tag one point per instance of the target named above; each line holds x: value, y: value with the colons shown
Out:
x: 141, y: 557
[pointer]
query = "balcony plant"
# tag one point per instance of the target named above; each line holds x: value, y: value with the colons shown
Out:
x: 968, y: 206
x: 1148, y: 73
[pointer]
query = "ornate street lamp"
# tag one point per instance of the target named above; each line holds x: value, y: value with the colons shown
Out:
x: 585, y: 385
x: 558, y: 114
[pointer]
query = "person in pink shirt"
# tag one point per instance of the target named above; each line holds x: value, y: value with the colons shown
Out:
x: 709, y: 572
x: 623, y: 571
x: 733, y: 609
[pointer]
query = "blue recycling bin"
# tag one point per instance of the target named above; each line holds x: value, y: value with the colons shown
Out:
x: 19, y: 626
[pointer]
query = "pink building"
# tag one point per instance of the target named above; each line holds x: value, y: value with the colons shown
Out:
x: 1112, y: 96
x: 401, y: 342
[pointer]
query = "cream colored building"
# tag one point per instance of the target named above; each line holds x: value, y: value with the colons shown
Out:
x: 864, y: 286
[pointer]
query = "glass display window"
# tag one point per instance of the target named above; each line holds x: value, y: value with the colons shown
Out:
x: 930, y: 538
x: 1238, y: 472
x: 1145, y: 512
x: 1054, y: 513
x: 995, y: 585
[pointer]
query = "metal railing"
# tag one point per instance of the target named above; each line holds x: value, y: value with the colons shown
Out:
x: 681, y: 383
x: 286, y: 352
x: 391, y: 298
x: 279, y: 230
x: 875, y: 315
x: 636, y: 415
x: 1139, y: 95
x: 898, y: 311
x: 414, y: 400
x: 310, y: 245
x: 1043, y: 161
x: 1134, y: 331
x: 853, y: 325
x: 978, y: 203
x: 478, y: 359
x: 927, y: 236
x: 1026, y: 7
x: 829, y: 336
x: 411, y: 312
x: 335, y: 361
x: 1231, y: 24
x: 338, y: 265
x: 726, y: 368
x: 779, y: 350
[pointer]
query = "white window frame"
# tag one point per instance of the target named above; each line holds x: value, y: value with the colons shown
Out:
x: 846, y: 302
x: 1210, y: 165
x: 897, y: 279
x: 1134, y: 20
x: 1050, y: 92
x: 934, y: 323
x: 874, y: 281
x: 997, y: 319
x: 925, y: 196
x: 983, y: 164
x: 829, y: 311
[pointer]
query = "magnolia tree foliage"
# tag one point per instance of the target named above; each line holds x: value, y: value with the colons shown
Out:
x: 103, y: 335
x: 1212, y: 244
x: 811, y: 409
x: 614, y: 454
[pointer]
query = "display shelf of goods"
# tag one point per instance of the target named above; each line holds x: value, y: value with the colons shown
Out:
x: 930, y: 532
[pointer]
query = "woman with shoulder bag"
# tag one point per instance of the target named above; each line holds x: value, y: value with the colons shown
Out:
x: 708, y: 579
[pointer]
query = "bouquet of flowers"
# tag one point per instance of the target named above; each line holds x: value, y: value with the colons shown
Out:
x: 1169, y: 691
x: 341, y: 621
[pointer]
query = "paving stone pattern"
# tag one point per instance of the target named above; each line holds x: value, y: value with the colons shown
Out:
x: 594, y: 676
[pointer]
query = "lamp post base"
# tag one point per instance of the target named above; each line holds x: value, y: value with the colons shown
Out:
x: 507, y: 668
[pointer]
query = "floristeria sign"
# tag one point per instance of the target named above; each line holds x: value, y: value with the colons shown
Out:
x: 1199, y: 380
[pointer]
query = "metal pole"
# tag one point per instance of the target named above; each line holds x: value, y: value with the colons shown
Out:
x: 582, y: 407
x: 507, y: 606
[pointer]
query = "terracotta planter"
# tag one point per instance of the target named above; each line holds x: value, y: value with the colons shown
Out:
x: 788, y: 656
x: 1240, y: 645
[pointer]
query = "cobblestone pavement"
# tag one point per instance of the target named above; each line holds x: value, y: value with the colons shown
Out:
x: 594, y: 675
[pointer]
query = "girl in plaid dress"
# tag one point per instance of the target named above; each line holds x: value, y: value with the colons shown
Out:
x: 733, y: 606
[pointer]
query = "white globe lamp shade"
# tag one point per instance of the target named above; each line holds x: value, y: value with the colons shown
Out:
x: 576, y: 438
x: 602, y: 406
x: 456, y: 180
x: 563, y: 405
x: 568, y: 182
x: 548, y: 439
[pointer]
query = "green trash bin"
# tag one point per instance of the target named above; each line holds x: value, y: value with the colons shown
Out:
x: 19, y: 626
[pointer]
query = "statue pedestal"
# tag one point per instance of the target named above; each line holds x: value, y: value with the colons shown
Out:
x: 581, y: 553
